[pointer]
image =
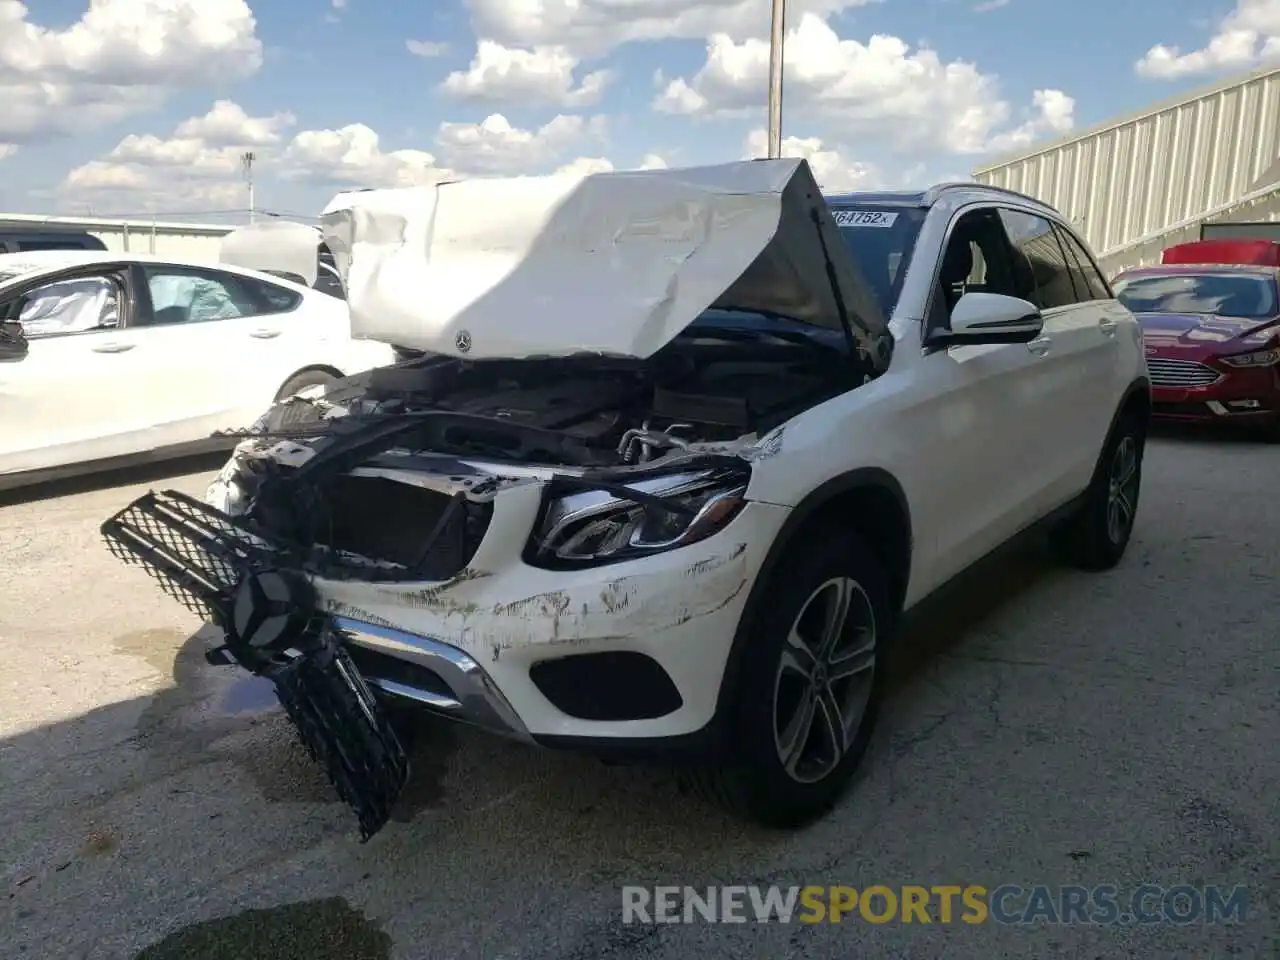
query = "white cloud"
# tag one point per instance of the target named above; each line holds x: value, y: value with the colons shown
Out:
x: 119, y: 58
x: 1246, y: 37
x: 226, y: 124
x: 988, y: 5
x: 7, y: 150
x: 426, y: 48
x: 352, y: 156
x: 881, y: 91
x: 835, y: 172
x: 198, y: 166
x: 585, y: 166
x: 653, y: 161
x: 1052, y: 115
x: 593, y: 27
x: 494, y: 146
x: 541, y: 75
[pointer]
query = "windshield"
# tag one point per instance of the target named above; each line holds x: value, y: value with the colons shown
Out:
x: 881, y: 239
x: 1220, y: 294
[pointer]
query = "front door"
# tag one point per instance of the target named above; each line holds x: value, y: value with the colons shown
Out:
x: 984, y: 412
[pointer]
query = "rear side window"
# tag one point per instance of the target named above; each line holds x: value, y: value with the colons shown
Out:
x: 186, y: 295
x: 1050, y: 272
x: 1088, y: 281
x: 276, y: 299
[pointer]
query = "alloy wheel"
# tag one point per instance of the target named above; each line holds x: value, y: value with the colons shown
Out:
x: 1122, y: 490
x: 824, y: 679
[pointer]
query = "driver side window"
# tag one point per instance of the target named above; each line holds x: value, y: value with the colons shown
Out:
x: 977, y: 259
x: 70, y: 306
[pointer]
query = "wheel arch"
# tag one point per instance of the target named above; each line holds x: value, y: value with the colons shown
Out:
x: 1135, y: 401
x: 310, y: 368
x: 868, y: 500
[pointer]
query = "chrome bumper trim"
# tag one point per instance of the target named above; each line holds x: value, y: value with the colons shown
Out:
x: 476, y: 699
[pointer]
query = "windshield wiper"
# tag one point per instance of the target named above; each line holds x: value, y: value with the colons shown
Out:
x: 750, y: 335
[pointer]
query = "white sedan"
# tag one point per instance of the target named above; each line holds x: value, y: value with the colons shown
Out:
x: 139, y: 357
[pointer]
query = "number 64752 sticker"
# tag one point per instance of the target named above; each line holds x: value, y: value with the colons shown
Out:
x: 864, y: 218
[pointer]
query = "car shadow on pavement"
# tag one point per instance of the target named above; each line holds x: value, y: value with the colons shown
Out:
x: 197, y: 827
x: 1227, y: 435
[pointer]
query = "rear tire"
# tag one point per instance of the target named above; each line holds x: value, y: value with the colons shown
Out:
x: 1096, y: 536
x: 775, y: 775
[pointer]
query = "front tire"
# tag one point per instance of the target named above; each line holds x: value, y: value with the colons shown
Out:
x: 1096, y: 537
x: 810, y: 686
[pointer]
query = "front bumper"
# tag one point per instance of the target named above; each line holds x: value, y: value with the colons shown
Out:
x: 1236, y: 395
x: 502, y: 645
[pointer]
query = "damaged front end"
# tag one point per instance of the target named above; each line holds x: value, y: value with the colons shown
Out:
x: 393, y: 478
x: 471, y: 466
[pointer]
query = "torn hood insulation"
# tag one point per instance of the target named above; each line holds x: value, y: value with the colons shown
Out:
x: 274, y: 246
x: 615, y: 264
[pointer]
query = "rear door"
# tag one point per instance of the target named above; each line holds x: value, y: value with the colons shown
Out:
x: 222, y: 343
x: 1111, y: 367
x: 1079, y: 353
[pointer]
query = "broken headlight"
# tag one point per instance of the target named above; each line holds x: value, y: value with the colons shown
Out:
x: 612, y: 523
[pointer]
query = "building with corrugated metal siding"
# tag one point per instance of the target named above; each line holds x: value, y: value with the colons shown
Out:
x: 194, y: 242
x: 1140, y: 183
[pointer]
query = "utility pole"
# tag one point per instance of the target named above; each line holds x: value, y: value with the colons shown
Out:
x: 246, y: 161
x: 777, y: 37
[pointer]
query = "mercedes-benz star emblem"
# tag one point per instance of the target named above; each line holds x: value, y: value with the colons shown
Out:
x: 266, y: 604
x: 462, y: 341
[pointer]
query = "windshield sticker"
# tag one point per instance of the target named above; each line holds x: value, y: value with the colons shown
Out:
x: 864, y: 218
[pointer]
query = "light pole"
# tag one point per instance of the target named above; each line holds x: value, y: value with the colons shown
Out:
x: 777, y: 37
x: 246, y: 161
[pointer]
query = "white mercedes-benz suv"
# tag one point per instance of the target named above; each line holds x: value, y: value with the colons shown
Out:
x: 681, y: 449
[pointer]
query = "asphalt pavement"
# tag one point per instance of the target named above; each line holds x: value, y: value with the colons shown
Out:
x: 1046, y: 727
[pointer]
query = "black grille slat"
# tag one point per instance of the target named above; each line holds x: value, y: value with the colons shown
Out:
x: 195, y: 553
x: 1180, y: 373
x: 199, y: 556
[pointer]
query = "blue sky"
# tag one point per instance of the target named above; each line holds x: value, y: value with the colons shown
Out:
x: 330, y: 95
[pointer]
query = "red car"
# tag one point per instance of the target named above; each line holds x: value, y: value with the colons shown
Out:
x: 1212, y: 330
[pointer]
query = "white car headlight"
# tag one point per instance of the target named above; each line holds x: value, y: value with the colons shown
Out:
x: 607, y: 523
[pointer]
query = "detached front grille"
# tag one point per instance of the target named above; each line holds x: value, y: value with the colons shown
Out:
x: 1180, y: 373
x: 196, y: 553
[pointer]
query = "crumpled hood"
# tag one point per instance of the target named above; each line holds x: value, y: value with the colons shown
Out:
x: 1200, y: 330
x: 615, y: 264
x: 274, y: 246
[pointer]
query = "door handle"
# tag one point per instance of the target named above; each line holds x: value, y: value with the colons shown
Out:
x: 264, y: 333
x: 1107, y: 326
x: 113, y: 347
x: 1040, y: 346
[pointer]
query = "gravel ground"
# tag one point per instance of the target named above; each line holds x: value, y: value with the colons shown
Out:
x: 1047, y: 727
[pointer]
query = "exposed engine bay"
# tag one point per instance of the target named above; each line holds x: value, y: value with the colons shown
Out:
x: 314, y: 470
x: 587, y: 412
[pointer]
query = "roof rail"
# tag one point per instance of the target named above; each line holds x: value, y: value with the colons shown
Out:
x: 975, y: 185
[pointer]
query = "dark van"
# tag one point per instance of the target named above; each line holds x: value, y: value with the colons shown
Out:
x: 19, y: 241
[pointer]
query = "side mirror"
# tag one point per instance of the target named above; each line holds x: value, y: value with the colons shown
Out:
x: 990, y: 318
x: 13, y: 345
